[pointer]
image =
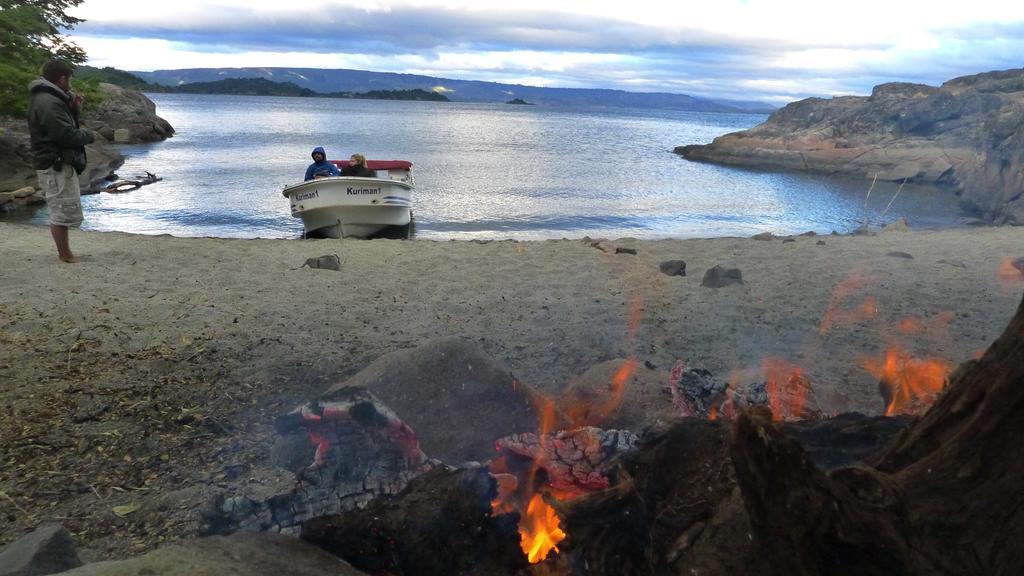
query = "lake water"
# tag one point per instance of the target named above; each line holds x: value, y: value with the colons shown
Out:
x: 482, y: 171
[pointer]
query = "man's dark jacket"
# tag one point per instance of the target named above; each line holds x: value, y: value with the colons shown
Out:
x: 53, y: 128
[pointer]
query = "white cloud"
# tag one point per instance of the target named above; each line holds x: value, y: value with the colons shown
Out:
x: 768, y: 49
x: 149, y: 54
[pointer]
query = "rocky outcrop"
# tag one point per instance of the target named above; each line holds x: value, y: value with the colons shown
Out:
x: 16, y: 170
x: 967, y: 135
x: 122, y: 117
x: 126, y: 117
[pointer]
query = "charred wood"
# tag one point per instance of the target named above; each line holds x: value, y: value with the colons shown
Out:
x: 652, y: 519
x: 343, y: 453
x: 441, y: 524
x: 574, y: 461
x: 672, y: 506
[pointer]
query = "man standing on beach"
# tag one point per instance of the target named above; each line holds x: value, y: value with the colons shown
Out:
x: 58, y: 149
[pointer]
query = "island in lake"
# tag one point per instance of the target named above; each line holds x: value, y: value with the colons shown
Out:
x: 251, y: 87
x: 520, y: 102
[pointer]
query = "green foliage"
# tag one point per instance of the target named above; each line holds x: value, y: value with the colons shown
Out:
x: 32, y: 31
x: 21, y: 30
x: 14, y: 90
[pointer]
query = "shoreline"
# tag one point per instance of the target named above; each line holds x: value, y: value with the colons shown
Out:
x: 141, y: 348
x: 28, y: 214
x: 796, y: 271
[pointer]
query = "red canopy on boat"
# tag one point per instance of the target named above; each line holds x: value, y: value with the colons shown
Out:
x: 378, y: 164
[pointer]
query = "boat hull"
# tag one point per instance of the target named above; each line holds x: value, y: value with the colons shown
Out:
x: 342, y: 207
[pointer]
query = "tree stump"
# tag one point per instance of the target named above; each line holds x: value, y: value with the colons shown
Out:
x: 945, y: 498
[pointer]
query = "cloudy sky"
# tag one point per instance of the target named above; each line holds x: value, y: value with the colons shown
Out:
x: 777, y: 50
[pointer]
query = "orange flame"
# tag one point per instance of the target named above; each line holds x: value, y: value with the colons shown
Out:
x: 787, y: 388
x: 1010, y: 273
x: 918, y: 326
x: 866, y: 310
x: 836, y: 313
x: 583, y: 412
x: 587, y: 412
x: 539, y: 530
x: 545, y: 414
x: 911, y: 383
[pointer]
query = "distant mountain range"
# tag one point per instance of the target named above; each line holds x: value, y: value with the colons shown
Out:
x: 246, y: 87
x: 326, y: 81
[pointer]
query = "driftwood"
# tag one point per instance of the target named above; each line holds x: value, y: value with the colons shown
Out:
x: 129, y: 185
x: 945, y: 498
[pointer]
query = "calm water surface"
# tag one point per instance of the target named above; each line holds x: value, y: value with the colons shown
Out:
x: 482, y: 171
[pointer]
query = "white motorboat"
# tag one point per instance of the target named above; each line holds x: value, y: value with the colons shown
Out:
x: 352, y: 206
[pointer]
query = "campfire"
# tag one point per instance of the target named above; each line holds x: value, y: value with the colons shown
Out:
x: 714, y: 491
x: 535, y: 468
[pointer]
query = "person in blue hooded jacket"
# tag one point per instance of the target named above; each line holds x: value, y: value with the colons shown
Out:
x: 320, y: 166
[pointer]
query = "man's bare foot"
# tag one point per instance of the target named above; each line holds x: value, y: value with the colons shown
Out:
x: 70, y: 259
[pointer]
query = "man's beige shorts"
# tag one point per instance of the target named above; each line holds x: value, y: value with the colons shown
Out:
x: 63, y: 196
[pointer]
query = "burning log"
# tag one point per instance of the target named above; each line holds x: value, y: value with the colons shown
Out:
x: 672, y: 506
x: 574, y: 461
x: 785, y: 389
x: 667, y: 491
x: 344, y: 453
x: 534, y: 471
x: 440, y: 525
x: 945, y: 498
x: 675, y: 508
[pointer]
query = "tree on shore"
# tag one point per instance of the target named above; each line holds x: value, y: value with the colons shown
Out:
x: 32, y: 31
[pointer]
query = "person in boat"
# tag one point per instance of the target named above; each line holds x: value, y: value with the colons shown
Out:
x: 357, y: 167
x: 320, y: 168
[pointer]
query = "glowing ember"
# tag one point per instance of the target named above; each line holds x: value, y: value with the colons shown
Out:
x: 908, y: 385
x: 507, y: 486
x: 539, y: 530
x: 779, y: 384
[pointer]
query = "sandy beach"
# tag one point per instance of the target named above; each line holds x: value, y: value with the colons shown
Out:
x: 135, y: 376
